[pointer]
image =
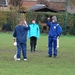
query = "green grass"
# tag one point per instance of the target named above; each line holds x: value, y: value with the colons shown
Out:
x: 38, y: 63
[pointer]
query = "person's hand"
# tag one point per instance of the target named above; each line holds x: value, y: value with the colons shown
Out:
x: 48, y: 18
x: 15, y: 43
x: 25, y: 22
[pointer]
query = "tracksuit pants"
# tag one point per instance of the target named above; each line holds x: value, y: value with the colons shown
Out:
x: 52, y: 42
x: 21, y: 46
x: 33, y: 42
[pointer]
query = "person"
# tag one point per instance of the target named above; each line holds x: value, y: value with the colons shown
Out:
x: 20, y: 34
x: 33, y: 34
x: 54, y: 33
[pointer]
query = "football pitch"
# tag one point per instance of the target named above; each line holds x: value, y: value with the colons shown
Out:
x: 38, y: 62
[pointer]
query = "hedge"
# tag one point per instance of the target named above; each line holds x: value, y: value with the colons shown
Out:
x: 8, y: 19
x: 42, y: 16
x: 11, y: 18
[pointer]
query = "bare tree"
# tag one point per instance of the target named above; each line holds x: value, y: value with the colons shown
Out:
x: 16, y: 2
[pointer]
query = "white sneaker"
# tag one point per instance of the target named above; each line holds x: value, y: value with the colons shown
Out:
x: 15, y: 58
x: 25, y: 59
x: 18, y: 59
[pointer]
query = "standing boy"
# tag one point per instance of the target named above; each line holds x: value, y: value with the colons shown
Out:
x: 20, y: 36
x: 33, y: 34
x: 54, y: 33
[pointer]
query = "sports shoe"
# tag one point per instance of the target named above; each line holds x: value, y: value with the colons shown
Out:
x: 55, y: 56
x: 18, y: 59
x: 49, y: 55
x: 25, y: 59
x: 15, y: 58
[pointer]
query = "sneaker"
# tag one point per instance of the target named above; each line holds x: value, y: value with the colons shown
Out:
x: 55, y: 56
x: 49, y: 55
x: 15, y: 58
x: 25, y: 59
x: 18, y: 59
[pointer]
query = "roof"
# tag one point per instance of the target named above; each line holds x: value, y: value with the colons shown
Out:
x: 3, y: 3
x: 57, y: 0
x: 41, y: 7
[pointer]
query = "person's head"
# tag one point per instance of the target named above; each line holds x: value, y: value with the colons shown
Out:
x: 21, y: 22
x: 33, y: 21
x: 54, y: 19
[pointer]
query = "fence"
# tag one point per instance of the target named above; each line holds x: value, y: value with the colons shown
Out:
x: 41, y: 17
x: 10, y: 19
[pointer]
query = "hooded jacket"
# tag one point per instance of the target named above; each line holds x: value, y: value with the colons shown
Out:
x: 55, y: 29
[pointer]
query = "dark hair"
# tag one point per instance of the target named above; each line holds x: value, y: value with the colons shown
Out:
x: 33, y: 19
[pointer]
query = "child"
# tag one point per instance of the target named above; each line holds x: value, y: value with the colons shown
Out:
x: 20, y: 34
x: 54, y: 34
x: 33, y: 34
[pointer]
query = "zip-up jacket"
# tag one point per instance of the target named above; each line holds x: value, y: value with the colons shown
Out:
x: 20, y: 32
x: 55, y: 29
x: 34, y: 31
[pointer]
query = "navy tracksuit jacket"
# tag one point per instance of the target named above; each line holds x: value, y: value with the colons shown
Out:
x: 20, y: 32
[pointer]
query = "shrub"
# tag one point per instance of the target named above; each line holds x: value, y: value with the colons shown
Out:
x: 8, y: 18
x: 3, y: 19
x: 42, y: 16
x: 13, y: 19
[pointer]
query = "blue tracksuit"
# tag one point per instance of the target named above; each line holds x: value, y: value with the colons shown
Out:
x: 20, y: 32
x: 54, y: 32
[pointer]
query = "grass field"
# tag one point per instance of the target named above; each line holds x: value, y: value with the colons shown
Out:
x: 38, y: 63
